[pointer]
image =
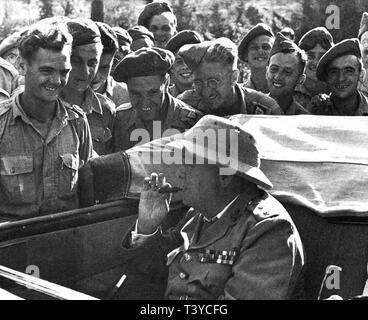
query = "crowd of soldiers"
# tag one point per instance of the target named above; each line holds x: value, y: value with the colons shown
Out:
x: 75, y: 89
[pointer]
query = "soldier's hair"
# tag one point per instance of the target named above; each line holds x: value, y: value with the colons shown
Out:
x: 302, y: 56
x: 223, y: 51
x: 52, y: 35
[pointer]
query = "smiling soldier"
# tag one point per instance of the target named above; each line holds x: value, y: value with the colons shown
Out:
x: 285, y: 71
x: 159, y: 18
x: 43, y: 140
x: 342, y: 69
x: 363, y: 38
x: 146, y: 73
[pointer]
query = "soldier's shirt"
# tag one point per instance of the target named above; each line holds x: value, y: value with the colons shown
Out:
x: 175, y: 114
x: 100, y: 113
x: 117, y: 92
x: 323, y: 105
x: 295, y: 108
x: 8, y: 79
x: 252, y: 251
x: 303, y: 97
x: 174, y: 91
x: 249, y: 102
x: 37, y: 175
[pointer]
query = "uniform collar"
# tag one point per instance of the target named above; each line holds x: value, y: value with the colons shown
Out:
x: 220, y: 214
x: 91, y: 102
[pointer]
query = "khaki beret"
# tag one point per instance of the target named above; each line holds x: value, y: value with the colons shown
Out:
x: 144, y: 62
x: 124, y: 38
x: 182, y: 38
x: 283, y: 44
x: 319, y: 35
x: 363, y: 25
x: 109, y: 38
x: 139, y: 32
x: 84, y: 31
x: 343, y: 48
x: 258, y: 30
x: 153, y: 9
x: 193, y: 54
x: 10, y: 42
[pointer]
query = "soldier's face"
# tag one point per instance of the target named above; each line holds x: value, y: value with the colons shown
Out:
x: 163, y: 28
x: 103, y: 71
x: 47, y: 74
x: 364, y: 42
x: 181, y: 73
x: 283, y: 74
x: 85, y: 60
x: 147, y: 96
x: 258, y: 51
x: 214, y: 83
x: 12, y: 56
x: 314, y: 55
x: 343, y: 75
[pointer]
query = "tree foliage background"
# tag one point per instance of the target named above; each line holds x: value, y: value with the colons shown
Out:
x: 212, y: 18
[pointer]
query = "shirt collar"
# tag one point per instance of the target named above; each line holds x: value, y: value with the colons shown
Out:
x: 110, y: 86
x: 91, y: 102
x: 220, y: 214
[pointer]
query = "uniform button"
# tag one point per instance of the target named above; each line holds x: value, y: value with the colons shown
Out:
x: 187, y: 257
x: 182, y: 275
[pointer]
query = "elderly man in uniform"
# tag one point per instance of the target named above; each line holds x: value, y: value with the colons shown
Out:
x: 286, y: 70
x: 103, y: 82
x: 141, y: 38
x: 124, y: 41
x: 181, y: 76
x: 86, y: 54
x: 242, y: 244
x: 363, y: 38
x: 44, y: 141
x: 315, y: 43
x: 342, y: 69
x: 254, y: 49
x: 216, y: 89
x: 158, y: 17
x: 146, y: 74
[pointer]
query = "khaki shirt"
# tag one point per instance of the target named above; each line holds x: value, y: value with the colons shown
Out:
x: 295, y: 108
x: 249, y: 102
x: 175, y: 114
x: 252, y: 252
x: 39, y: 176
x: 324, y: 106
x: 116, y: 91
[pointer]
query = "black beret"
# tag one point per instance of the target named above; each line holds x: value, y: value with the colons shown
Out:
x: 288, y: 33
x: 144, y: 62
x: 363, y: 25
x: 124, y: 38
x: 153, y: 9
x: 139, y: 32
x: 343, y: 48
x: 109, y: 38
x: 182, y: 38
x: 283, y: 44
x: 319, y: 35
x: 193, y: 54
x: 258, y: 30
x: 84, y: 31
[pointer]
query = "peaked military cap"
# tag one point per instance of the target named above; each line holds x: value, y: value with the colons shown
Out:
x: 319, y: 35
x: 193, y: 54
x: 182, y: 38
x: 109, y: 38
x: 363, y: 25
x: 144, y: 62
x: 139, y: 32
x: 258, y: 30
x: 283, y: 44
x: 124, y: 38
x: 343, y: 48
x: 84, y: 31
x: 153, y: 9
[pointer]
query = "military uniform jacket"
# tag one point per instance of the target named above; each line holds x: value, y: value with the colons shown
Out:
x: 253, y: 251
x: 249, y: 102
x: 175, y: 115
x: 40, y: 176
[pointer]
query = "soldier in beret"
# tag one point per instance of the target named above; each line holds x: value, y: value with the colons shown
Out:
x: 124, y: 41
x: 86, y: 54
x: 216, y: 89
x: 254, y: 49
x: 181, y: 76
x: 44, y: 140
x: 342, y: 69
x: 315, y: 43
x: 363, y: 38
x: 240, y: 245
x: 146, y: 74
x: 141, y: 38
x: 286, y: 70
x: 103, y: 82
x: 158, y: 17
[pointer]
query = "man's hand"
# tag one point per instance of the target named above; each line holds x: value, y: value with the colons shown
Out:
x: 153, y: 206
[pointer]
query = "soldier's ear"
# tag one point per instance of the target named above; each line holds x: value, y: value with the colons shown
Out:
x: 362, y: 75
x: 22, y: 66
x: 235, y: 77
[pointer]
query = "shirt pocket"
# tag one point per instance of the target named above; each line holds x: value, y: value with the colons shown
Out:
x: 18, y: 180
x: 100, y: 134
x: 68, y: 176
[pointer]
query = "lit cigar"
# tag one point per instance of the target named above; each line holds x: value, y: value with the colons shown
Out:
x: 168, y: 189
